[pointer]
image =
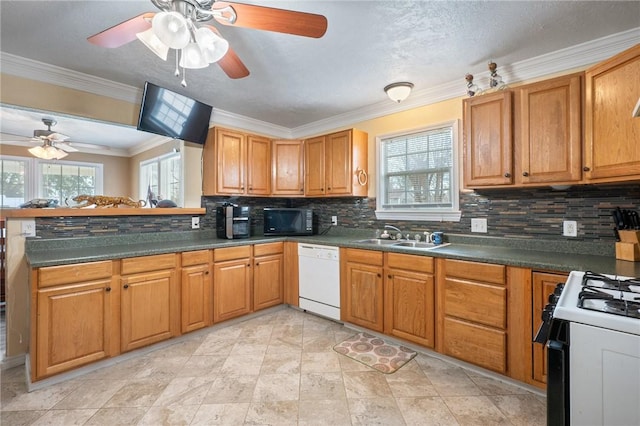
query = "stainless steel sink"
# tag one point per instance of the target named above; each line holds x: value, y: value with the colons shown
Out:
x: 376, y: 242
x: 419, y: 245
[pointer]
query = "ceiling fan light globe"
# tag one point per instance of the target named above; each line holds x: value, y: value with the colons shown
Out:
x: 192, y: 57
x: 171, y: 29
x: 47, y: 152
x: 213, y: 46
x: 149, y: 39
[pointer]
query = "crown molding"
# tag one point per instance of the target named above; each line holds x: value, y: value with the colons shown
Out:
x: 578, y: 56
x: 225, y: 118
x: 52, y: 74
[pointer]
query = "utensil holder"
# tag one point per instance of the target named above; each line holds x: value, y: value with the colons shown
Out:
x: 629, y: 246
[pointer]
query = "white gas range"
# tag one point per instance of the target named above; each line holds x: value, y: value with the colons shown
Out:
x: 593, y: 346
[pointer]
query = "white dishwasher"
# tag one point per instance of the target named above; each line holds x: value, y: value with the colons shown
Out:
x: 319, y: 279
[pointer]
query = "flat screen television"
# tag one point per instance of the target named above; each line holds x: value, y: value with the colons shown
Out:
x: 171, y: 114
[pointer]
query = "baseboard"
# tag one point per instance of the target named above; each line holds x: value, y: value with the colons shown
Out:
x: 14, y: 361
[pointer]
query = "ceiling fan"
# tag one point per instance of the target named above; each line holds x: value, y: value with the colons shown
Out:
x: 53, y: 143
x: 176, y: 27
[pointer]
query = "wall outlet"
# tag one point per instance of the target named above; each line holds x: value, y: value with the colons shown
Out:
x: 334, y: 220
x: 195, y: 222
x: 479, y: 225
x: 28, y: 227
x: 570, y: 228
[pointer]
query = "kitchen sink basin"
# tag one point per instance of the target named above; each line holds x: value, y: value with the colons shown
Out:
x: 376, y: 242
x: 419, y: 245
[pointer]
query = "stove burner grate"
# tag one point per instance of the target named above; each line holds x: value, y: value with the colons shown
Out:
x: 611, y: 283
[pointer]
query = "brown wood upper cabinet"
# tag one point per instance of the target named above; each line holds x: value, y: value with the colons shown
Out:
x: 236, y: 163
x: 612, y: 135
x: 488, y: 140
x: 548, y: 138
x: 543, y: 147
x: 336, y: 164
x: 287, y: 168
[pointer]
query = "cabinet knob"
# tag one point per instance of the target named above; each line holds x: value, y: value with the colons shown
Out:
x: 257, y: 263
x: 107, y: 289
x: 389, y: 276
x: 507, y: 174
x: 321, y: 189
x: 328, y: 189
x: 248, y: 265
x: 206, y: 272
x: 126, y: 286
x: 379, y: 275
x: 586, y: 169
x: 301, y: 189
x: 250, y: 188
x: 525, y: 174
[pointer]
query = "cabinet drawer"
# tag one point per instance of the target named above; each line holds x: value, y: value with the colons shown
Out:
x: 197, y: 257
x: 134, y: 265
x: 484, y: 272
x: 80, y: 272
x: 410, y: 262
x: 481, y: 303
x: 230, y: 253
x: 476, y: 344
x: 369, y: 257
x: 268, y: 248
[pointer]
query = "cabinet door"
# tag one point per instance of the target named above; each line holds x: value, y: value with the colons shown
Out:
x: 611, y: 134
x: 409, y: 306
x: 147, y: 308
x: 338, y: 163
x: 267, y: 281
x: 488, y: 143
x: 314, y: 166
x: 258, y: 166
x: 543, y: 285
x: 73, y: 326
x: 550, y: 129
x: 196, y: 297
x: 364, y: 296
x: 231, y: 160
x: 231, y: 289
x: 287, y: 168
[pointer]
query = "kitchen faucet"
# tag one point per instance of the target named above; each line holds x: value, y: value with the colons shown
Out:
x: 399, y: 232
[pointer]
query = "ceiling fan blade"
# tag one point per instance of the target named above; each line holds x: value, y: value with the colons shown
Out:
x: 65, y: 147
x: 123, y: 33
x: 277, y: 20
x: 58, y: 137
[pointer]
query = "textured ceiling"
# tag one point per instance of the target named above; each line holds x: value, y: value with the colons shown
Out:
x: 294, y: 80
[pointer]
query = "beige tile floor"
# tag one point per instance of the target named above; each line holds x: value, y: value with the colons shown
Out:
x: 276, y: 369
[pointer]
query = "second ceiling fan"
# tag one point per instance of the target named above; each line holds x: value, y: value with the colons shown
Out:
x: 179, y: 26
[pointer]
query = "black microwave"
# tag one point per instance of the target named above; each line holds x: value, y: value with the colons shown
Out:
x: 281, y: 221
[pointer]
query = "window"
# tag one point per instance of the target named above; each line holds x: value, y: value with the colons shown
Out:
x: 14, y: 184
x: 64, y: 180
x: 24, y: 179
x: 418, y: 175
x: 162, y: 176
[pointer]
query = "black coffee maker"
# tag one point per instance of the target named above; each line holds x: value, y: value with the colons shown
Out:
x: 232, y: 221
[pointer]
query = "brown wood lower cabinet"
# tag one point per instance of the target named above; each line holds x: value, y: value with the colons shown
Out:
x: 71, y: 316
x: 268, y: 288
x: 544, y: 284
x: 196, y: 290
x: 472, y: 305
x: 391, y: 293
x: 409, y: 306
x: 232, y: 277
x: 150, y: 302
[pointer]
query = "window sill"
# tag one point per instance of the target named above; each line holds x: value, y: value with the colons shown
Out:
x: 64, y: 212
x: 427, y: 216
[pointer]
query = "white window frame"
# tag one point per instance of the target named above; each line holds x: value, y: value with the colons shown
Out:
x: 433, y: 214
x: 143, y: 186
x: 99, y: 187
x: 34, y: 177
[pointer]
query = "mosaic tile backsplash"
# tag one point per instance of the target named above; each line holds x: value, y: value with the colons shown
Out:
x: 512, y: 213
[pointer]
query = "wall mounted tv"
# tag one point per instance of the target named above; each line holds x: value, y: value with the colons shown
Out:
x: 171, y: 114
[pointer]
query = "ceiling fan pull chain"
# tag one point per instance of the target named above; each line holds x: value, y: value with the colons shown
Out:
x: 183, y: 83
x: 177, y: 73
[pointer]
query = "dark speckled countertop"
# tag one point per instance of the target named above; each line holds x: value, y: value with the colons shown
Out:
x: 554, y: 255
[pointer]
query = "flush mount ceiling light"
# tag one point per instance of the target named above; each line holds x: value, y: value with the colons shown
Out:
x: 398, y: 92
